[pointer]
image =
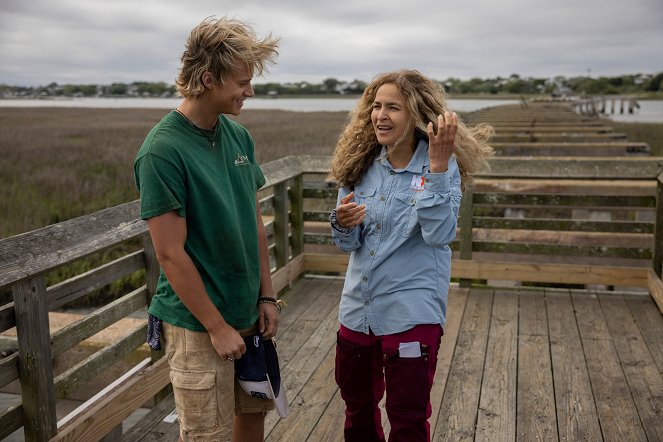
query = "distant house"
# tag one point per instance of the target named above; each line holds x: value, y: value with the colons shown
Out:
x: 563, y: 93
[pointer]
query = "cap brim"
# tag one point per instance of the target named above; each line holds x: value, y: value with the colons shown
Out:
x: 280, y: 400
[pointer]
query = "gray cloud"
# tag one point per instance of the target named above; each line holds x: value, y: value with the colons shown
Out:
x: 98, y: 41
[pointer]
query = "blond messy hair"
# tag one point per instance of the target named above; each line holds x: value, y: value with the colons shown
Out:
x: 425, y: 99
x: 220, y: 47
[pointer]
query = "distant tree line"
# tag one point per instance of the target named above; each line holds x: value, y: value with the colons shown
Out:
x: 514, y: 84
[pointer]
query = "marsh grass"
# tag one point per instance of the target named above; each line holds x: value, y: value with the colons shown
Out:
x: 651, y: 133
x: 57, y: 164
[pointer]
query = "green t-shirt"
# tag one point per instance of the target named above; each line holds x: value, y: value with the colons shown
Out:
x: 215, y: 189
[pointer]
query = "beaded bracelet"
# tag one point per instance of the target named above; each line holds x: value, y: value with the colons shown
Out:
x: 278, y: 303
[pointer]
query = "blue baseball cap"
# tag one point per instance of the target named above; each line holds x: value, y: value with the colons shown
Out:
x: 258, y: 372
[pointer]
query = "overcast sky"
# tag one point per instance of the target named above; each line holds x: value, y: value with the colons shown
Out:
x: 106, y: 41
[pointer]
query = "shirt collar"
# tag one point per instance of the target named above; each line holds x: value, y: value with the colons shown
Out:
x: 419, y: 162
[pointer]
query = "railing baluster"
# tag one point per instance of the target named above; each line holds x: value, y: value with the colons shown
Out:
x: 36, y: 360
x: 658, y: 232
x: 281, y: 223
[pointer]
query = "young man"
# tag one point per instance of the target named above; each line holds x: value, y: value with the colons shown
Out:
x: 198, y: 179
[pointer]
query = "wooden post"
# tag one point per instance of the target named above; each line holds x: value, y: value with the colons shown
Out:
x: 297, y: 215
x: 281, y: 224
x: 35, y: 359
x: 658, y: 231
x: 465, y: 223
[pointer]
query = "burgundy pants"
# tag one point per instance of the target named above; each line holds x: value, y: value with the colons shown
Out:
x: 366, y: 364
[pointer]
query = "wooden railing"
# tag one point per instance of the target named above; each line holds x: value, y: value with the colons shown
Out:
x: 296, y: 198
x: 604, y: 104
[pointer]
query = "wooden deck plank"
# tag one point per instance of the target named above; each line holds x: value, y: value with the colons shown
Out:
x: 457, y: 417
x: 577, y: 418
x: 617, y: 413
x: 642, y: 375
x: 650, y: 322
x: 535, y: 414
x: 497, y: 406
x: 309, y: 405
x: 330, y: 426
x: 501, y: 352
x: 455, y: 309
x: 319, y: 335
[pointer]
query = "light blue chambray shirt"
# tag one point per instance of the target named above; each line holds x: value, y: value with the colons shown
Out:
x: 399, y: 269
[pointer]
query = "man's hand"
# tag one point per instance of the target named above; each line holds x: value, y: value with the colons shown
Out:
x: 268, y: 319
x: 227, y: 342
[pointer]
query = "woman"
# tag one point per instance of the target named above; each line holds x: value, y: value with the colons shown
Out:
x: 401, y: 162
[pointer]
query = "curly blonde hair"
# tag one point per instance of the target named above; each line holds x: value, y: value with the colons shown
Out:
x: 425, y: 99
x: 221, y: 46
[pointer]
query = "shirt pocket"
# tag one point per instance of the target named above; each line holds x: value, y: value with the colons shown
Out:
x: 366, y: 195
x: 404, y: 214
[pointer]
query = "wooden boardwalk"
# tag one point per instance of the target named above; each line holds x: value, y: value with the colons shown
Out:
x: 515, y: 364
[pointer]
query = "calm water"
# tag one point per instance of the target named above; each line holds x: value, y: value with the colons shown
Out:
x: 291, y: 104
x: 650, y: 111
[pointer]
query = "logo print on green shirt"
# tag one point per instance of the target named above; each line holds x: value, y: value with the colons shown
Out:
x: 241, y: 160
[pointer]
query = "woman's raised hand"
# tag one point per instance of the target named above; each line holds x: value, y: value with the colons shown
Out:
x: 442, y: 145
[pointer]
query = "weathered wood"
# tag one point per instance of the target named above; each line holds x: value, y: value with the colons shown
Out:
x: 609, y: 187
x: 455, y: 309
x: 45, y: 249
x: 575, y: 168
x: 649, y: 320
x: 310, y: 334
x: 553, y: 249
x: 642, y: 376
x: 117, y: 406
x: 457, y: 417
x: 575, y: 201
x: 541, y: 272
x: 535, y: 414
x: 96, y: 363
x: 614, y: 404
x: 511, y: 271
x: 76, y: 332
x: 284, y: 277
x: 546, y: 167
x: 562, y: 225
x: 466, y: 223
x: 151, y: 420
x: 656, y: 289
x: 11, y: 419
x: 577, y: 418
x: 7, y: 318
x: 281, y: 230
x: 296, y: 197
x: 35, y: 367
x: 658, y: 235
x: 558, y: 128
x: 85, y: 283
x: 310, y: 403
x: 496, y: 420
x: 8, y: 369
x: 281, y: 170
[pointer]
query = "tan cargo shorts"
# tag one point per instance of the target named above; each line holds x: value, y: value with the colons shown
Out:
x: 207, y: 396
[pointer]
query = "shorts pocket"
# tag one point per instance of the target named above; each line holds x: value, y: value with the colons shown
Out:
x: 195, y: 399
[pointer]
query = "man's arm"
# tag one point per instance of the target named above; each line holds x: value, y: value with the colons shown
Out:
x: 269, y: 316
x: 169, y: 233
